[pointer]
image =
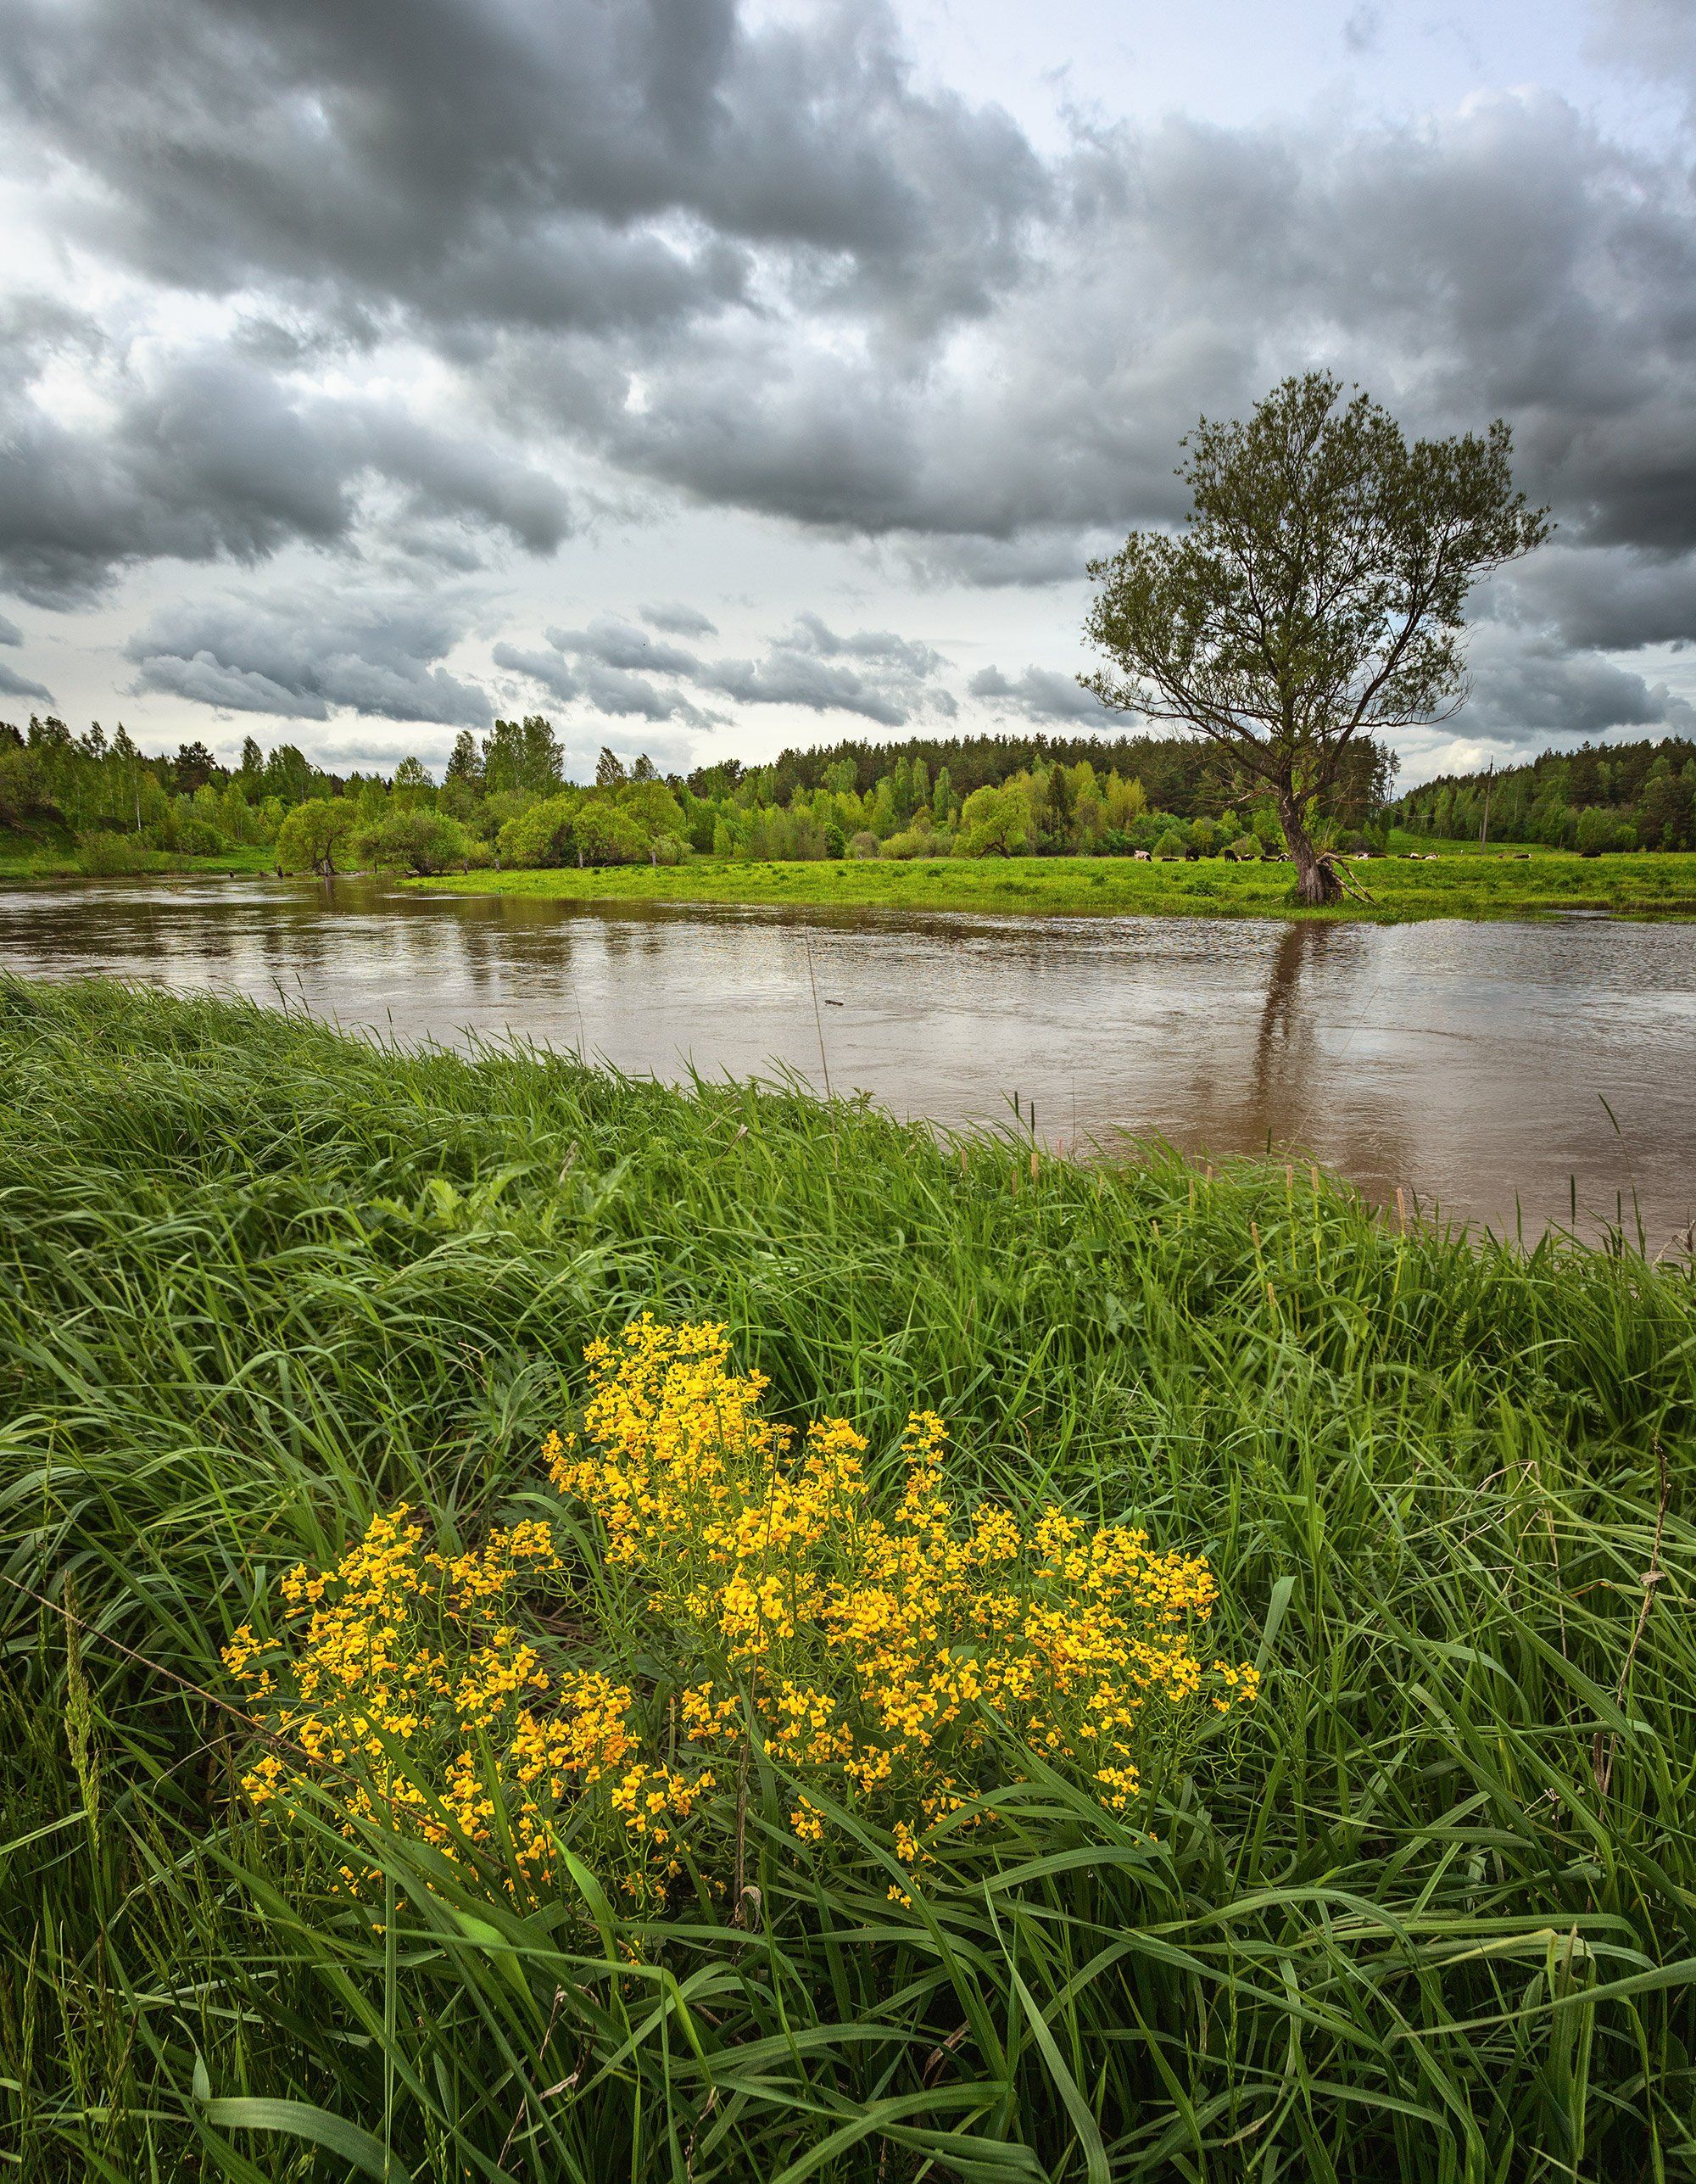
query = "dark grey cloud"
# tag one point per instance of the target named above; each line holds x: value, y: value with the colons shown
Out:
x: 210, y: 458
x: 1508, y: 261
x: 1528, y: 691
x: 678, y: 620
x: 307, y: 654
x: 616, y: 690
x: 1040, y: 694
x: 800, y: 678
x: 576, y: 165
x: 760, y: 266
x: 885, y: 648
x: 610, y: 672
x: 612, y: 665
x: 621, y: 645
x: 873, y: 673
x: 1607, y: 599
x: 546, y: 668
x: 12, y: 683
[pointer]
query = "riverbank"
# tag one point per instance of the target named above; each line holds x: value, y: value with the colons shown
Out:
x: 1425, y: 1904
x: 1459, y: 883
x: 57, y: 857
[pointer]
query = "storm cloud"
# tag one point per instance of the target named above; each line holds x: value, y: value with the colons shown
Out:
x: 12, y: 683
x: 425, y: 292
x: 1040, y: 695
x: 875, y: 673
x: 208, y: 458
x: 305, y: 654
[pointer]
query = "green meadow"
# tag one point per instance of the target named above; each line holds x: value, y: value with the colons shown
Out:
x: 1427, y: 1912
x: 1460, y: 883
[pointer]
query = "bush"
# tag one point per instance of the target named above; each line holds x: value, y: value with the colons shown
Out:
x: 915, y: 841
x: 192, y: 837
x: 904, y: 1667
x: 1600, y: 831
x: 541, y: 833
x: 575, y: 829
x: 993, y: 823
x: 420, y: 841
x: 1173, y: 843
x: 105, y: 855
x: 863, y: 844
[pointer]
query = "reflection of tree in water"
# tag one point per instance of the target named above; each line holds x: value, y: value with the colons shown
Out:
x: 1285, y: 1054
x: 1314, y: 1102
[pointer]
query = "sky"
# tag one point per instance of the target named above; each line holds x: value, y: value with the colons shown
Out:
x: 717, y: 378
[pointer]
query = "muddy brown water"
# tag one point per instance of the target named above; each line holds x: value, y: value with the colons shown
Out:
x: 1512, y: 1074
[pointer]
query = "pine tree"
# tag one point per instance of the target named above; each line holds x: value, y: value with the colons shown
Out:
x: 466, y: 762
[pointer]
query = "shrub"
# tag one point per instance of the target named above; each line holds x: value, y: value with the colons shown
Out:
x: 420, y: 841
x: 863, y: 844
x: 749, y: 1596
x: 915, y: 841
x: 541, y: 833
x: 192, y: 837
x: 1600, y: 829
x: 105, y: 855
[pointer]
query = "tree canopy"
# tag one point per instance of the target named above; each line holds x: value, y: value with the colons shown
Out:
x: 1316, y: 593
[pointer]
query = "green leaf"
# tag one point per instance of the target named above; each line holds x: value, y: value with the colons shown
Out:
x: 1088, y: 2131
x: 1282, y: 1593
x: 300, y: 2119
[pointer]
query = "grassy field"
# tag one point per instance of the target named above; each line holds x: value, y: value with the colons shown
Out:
x: 55, y: 856
x: 1427, y: 1912
x: 1462, y: 884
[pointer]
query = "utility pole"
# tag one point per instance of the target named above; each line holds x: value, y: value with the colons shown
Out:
x: 1489, y: 787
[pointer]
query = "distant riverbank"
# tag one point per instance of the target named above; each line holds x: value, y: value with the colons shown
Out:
x: 1457, y: 882
x: 55, y: 856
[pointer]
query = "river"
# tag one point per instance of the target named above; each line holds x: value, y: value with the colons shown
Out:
x: 1512, y: 1074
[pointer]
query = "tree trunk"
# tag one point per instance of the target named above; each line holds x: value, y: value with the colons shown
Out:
x: 1315, y: 881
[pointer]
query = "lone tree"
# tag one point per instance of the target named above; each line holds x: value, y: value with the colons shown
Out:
x: 1315, y: 593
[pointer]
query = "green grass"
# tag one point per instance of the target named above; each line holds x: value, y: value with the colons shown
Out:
x: 52, y: 854
x: 1464, y: 883
x: 1430, y: 1915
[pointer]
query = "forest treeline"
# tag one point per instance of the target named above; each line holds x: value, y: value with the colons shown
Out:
x: 505, y: 799
x: 1622, y: 796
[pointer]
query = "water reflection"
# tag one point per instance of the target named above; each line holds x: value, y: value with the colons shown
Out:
x: 1467, y: 1063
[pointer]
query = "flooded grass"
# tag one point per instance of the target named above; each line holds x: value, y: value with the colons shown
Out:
x: 1426, y: 1912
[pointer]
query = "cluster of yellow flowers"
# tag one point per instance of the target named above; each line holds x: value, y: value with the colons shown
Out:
x: 900, y: 1665
x: 410, y: 1698
x: 892, y: 1663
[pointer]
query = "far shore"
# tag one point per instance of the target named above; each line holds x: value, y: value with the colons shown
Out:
x: 1449, y: 880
